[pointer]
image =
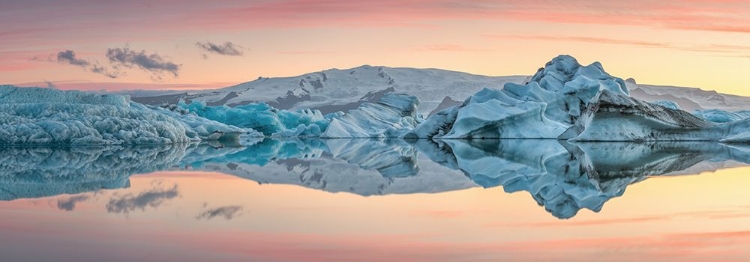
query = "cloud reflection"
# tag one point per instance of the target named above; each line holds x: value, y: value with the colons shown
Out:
x: 226, y: 212
x: 150, y: 198
x: 69, y: 204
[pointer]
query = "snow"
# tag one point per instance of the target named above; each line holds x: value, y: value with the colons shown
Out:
x: 342, y: 89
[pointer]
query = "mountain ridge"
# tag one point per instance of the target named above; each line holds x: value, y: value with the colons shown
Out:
x: 336, y: 89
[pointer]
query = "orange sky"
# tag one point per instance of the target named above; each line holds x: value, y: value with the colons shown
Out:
x: 683, y: 218
x: 686, y: 43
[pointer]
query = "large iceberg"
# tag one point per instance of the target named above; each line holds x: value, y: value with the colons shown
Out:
x: 545, y: 107
x: 568, y: 101
x: 36, y: 116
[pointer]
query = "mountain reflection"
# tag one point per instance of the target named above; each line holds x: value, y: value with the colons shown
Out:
x: 562, y: 177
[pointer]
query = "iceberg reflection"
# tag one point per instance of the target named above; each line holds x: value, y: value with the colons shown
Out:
x: 562, y: 177
x: 41, y: 171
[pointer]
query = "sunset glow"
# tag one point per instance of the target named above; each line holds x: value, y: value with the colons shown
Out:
x: 696, y: 43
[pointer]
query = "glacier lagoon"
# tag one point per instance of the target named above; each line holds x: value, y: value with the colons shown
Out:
x: 379, y: 199
x: 568, y: 164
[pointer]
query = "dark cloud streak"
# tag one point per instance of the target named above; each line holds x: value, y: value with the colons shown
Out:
x: 69, y: 204
x: 69, y: 57
x: 226, y: 212
x: 148, y: 62
x: 227, y: 49
x: 150, y: 198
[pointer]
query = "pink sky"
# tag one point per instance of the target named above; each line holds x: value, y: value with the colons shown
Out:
x: 682, y: 218
x: 688, y: 43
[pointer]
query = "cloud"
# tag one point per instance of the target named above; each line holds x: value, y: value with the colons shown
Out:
x: 69, y: 57
x: 148, y: 62
x: 593, y: 40
x: 150, y: 198
x: 450, y: 48
x: 227, y: 49
x: 227, y: 212
x: 702, y: 48
x: 70, y: 203
x: 104, y: 71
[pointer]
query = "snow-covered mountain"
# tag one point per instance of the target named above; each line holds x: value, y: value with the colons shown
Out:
x: 344, y: 89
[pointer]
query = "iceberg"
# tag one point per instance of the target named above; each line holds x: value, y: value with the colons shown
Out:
x: 568, y: 101
x: 265, y: 119
x: 545, y: 107
x: 392, y: 116
x: 616, y: 117
x: 38, y: 116
x: 721, y: 116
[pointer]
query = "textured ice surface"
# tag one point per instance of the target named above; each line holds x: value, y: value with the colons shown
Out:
x: 721, y: 116
x: 52, y: 117
x: 392, y: 116
x: 616, y: 117
x: 565, y: 100
x: 263, y: 118
x: 545, y: 107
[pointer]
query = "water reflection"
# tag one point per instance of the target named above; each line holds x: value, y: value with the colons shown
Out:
x: 39, y: 172
x: 562, y: 177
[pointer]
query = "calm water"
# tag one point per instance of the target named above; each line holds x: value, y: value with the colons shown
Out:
x: 367, y: 200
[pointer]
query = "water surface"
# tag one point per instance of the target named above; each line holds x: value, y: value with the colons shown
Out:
x: 370, y: 200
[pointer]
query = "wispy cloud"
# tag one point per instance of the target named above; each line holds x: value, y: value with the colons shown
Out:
x: 69, y: 204
x: 150, y: 198
x: 450, y: 48
x: 703, y: 48
x: 226, y: 212
x: 105, y: 71
x: 69, y: 57
x: 594, y: 40
x: 227, y: 48
x: 153, y: 63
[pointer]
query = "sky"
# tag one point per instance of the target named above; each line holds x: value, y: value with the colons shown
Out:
x: 187, y: 44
